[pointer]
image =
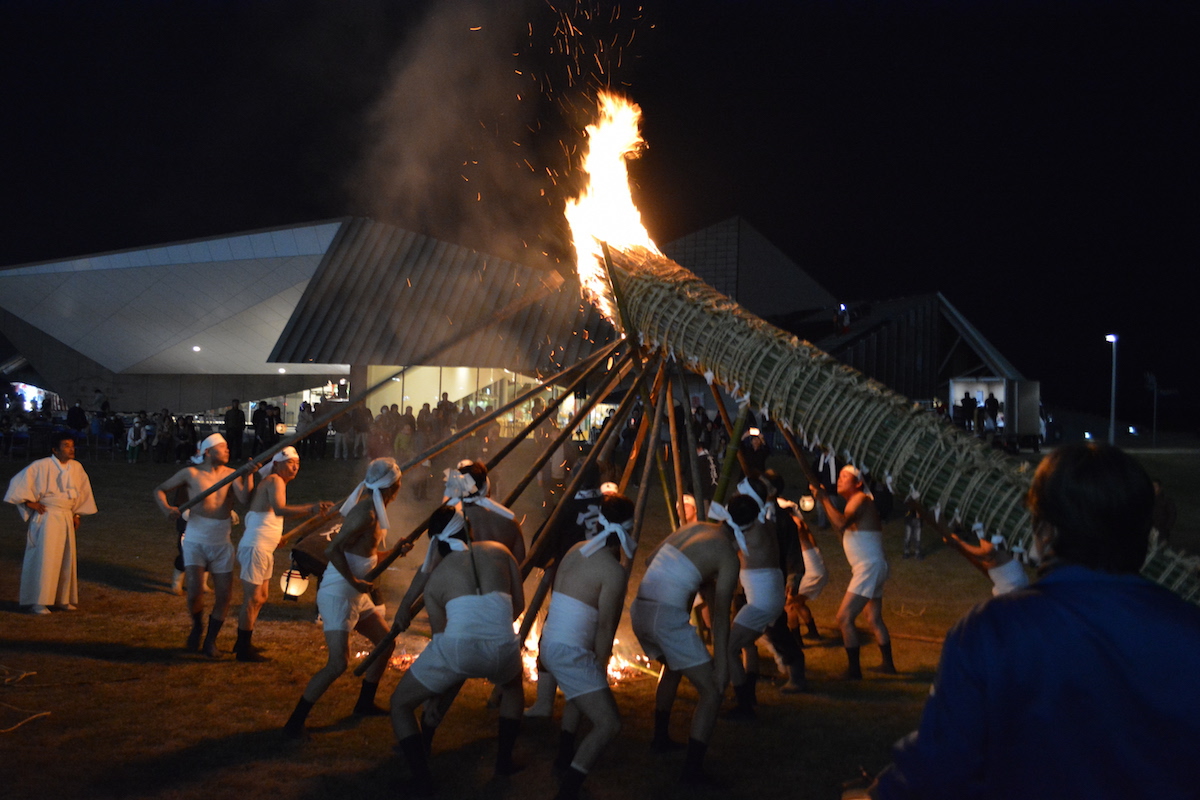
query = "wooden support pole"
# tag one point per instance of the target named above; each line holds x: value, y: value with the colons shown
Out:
x: 809, y: 473
x: 690, y: 432
x: 730, y: 452
x: 676, y: 447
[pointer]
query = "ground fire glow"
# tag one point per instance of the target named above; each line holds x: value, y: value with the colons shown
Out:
x: 604, y: 210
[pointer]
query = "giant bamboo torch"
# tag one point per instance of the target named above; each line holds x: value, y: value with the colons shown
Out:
x: 801, y: 388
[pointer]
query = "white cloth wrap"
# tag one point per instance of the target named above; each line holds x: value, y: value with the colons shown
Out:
x: 381, y: 518
x: 209, y: 441
x: 599, y: 539
x: 286, y: 454
x: 718, y: 512
x: 256, y: 550
x: 461, y: 486
x: 764, y: 508
x: 341, y: 605
x: 671, y: 579
x: 864, y: 551
x: 1008, y: 577
x: 457, y: 524
x: 206, y: 530
x: 815, y: 575
x: 566, y: 649
x: 764, y: 598
x: 478, y: 642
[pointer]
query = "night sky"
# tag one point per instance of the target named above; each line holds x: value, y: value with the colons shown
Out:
x: 1034, y: 161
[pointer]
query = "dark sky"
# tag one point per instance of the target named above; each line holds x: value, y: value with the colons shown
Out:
x: 1034, y: 161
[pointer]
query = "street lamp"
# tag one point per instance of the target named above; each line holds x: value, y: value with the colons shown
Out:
x: 1112, y: 402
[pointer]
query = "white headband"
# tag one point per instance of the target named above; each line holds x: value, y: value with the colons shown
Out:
x: 764, y: 511
x: 286, y: 454
x: 391, y: 477
x: 608, y: 487
x: 456, y: 524
x: 213, y: 439
x: 462, y: 486
x: 721, y: 514
x: 599, y: 539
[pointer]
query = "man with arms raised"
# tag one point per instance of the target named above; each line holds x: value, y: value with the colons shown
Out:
x: 472, y: 594
x: 577, y: 640
x: 698, y: 557
x: 51, y: 494
x: 206, y: 543
x: 1082, y: 685
x: 862, y: 539
x: 344, y: 599
x: 256, y: 550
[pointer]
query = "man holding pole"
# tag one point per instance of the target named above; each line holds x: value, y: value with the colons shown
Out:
x: 256, y: 550
x: 490, y: 521
x: 206, y: 543
x: 344, y: 599
x: 862, y: 537
x: 577, y: 640
x: 697, y: 557
x: 472, y: 594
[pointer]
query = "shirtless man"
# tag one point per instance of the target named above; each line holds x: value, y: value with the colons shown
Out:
x: 256, y: 550
x: 206, y: 543
x: 490, y: 522
x: 344, y: 598
x: 472, y: 594
x: 747, y: 518
x: 802, y: 587
x: 1004, y: 571
x: 697, y: 557
x: 862, y: 539
x: 577, y: 640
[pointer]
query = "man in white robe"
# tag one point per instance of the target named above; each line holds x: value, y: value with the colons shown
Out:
x: 51, y: 494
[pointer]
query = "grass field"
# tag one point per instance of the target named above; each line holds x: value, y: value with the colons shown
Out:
x: 127, y: 713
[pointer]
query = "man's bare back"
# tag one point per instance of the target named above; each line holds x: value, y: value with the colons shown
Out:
x: 484, y: 568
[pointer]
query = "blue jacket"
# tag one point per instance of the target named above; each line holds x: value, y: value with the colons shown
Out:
x: 1086, y: 684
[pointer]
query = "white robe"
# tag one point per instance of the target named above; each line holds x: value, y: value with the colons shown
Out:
x: 48, y: 573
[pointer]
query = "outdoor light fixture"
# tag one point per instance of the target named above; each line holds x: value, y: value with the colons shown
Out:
x: 1112, y: 402
x: 807, y: 503
x: 282, y: 370
x: 195, y: 348
x: 1087, y: 435
x: 293, y: 583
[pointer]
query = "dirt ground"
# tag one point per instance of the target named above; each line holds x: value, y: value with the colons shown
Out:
x: 125, y: 712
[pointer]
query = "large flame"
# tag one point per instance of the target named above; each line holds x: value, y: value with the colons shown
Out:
x: 604, y: 210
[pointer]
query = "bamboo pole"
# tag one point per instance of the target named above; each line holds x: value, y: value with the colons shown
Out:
x: 730, y: 450
x: 322, y: 421
x: 411, y: 539
x: 690, y: 433
x: 809, y: 473
x: 591, y: 363
x: 308, y: 526
x: 676, y: 456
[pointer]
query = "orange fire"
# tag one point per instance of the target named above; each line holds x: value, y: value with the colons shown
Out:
x: 604, y: 210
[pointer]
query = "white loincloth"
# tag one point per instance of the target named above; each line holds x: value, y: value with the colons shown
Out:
x: 566, y: 647
x: 256, y: 550
x: 864, y: 551
x: 815, y: 575
x: 478, y: 642
x: 764, y: 598
x: 341, y: 605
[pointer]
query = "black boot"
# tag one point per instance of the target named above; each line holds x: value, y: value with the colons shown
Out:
x: 812, y: 632
x: 509, y: 728
x: 413, y: 749
x: 245, y: 650
x: 365, y: 707
x: 744, y: 692
x: 662, y: 742
x: 693, y: 764
x: 854, y: 669
x: 572, y: 780
x: 210, y: 638
x: 193, y: 639
x: 566, y: 749
x: 888, y: 666
x: 294, y: 729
